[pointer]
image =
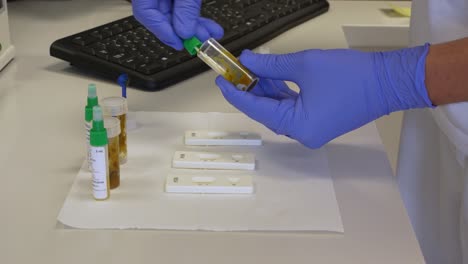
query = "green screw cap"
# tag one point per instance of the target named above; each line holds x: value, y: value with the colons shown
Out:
x: 98, y: 134
x: 192, y: 45
x: 92, y: 101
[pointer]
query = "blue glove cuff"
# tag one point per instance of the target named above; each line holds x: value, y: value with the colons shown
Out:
x: 402, y: 75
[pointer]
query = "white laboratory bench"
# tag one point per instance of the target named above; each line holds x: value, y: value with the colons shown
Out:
x: 42, y: 135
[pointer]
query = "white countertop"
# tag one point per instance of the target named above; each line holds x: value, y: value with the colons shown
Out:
x: 41, y: 111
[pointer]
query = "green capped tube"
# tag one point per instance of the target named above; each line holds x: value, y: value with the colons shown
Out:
x: 99, y: 156
x: 91, y: 102
x: 222, y: 62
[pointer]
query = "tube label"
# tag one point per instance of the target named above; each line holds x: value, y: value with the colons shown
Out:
x: 88, y: 126
x: 99, y: 164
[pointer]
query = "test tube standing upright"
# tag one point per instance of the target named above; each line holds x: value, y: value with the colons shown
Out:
x: 116, y: 106
x: 112, y: 126
x: 99, y: 156
x: 91, y: 102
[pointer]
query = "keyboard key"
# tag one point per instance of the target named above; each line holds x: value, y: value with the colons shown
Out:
x: 142, y: 58
x: 305, y: 3
x: 253, y: 11
x: 127, y: 25
x: 83, y: 40
x: 88, y: 50
x: 103, y: 54
x: 135, y: 23
x: 96, y: 34
x: 263, y: 20
x: 116, y: 30
x: 171, y: 62
x: 130, y: 63
x: 133, y: 51
x: 243, y: 29
x: 118, y: 57
x: 150, y: 68
x: 106, y: 32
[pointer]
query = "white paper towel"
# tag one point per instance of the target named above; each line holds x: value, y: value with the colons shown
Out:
x: 293, y: 188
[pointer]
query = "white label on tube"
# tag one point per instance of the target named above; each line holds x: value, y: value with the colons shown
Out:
x: 88, y: 126
x: 99, y: 168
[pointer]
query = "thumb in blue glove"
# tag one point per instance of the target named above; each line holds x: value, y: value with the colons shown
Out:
x: 171, y: 20
x: 340, y: 90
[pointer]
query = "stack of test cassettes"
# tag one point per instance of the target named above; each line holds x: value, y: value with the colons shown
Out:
x: 221, y: 172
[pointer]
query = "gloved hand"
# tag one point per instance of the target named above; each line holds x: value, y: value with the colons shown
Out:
x: 340, y: 90
x: 171, y: 20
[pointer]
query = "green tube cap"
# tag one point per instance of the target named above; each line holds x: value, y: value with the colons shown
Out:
x: 98, y: 134
x: 92, y: 101
x: 192, y: 45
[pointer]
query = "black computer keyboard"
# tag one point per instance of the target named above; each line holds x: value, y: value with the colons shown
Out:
x: 125, y: 46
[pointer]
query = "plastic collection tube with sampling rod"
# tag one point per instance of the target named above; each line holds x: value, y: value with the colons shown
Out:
x: 99, y: 156
x: 92, y: 101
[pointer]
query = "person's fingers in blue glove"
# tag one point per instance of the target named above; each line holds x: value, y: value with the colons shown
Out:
x: 273, y: 89
x: 340, y: 90
x: 277, y: 101
x: 171, y: 20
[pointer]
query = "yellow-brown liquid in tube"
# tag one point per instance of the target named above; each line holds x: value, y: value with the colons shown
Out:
x: 114, y: 162
x: 123, y: 138
x: 239, y: 78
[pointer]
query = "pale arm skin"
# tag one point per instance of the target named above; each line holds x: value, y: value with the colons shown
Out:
x: 447, y: 72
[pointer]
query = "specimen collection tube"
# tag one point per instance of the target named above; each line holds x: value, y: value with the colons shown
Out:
x: 99, y: 156
x: 117, y: 107
x: 222, y: 62
x: 112, y: 126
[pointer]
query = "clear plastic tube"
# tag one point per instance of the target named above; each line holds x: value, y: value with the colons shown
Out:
x: 114, y: 163
x: 225, y: 64
x: 117, y: 107
x: 99, y: 156
x: 112, y: 126
x: 123, y: 138
x: 92, y: 101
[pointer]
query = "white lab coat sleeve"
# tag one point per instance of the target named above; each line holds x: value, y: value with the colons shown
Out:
x: 432, y: 168
x: 432, y: 184
x: 464, y: 216
x: 417, y: 161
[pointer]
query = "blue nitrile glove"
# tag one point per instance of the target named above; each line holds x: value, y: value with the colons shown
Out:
x: 171, y: 20
x: 340, y: 90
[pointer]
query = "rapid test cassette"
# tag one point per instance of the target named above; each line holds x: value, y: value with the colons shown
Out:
x: 221, y: 138
x: 213, y: 160
x: 221, y: 184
